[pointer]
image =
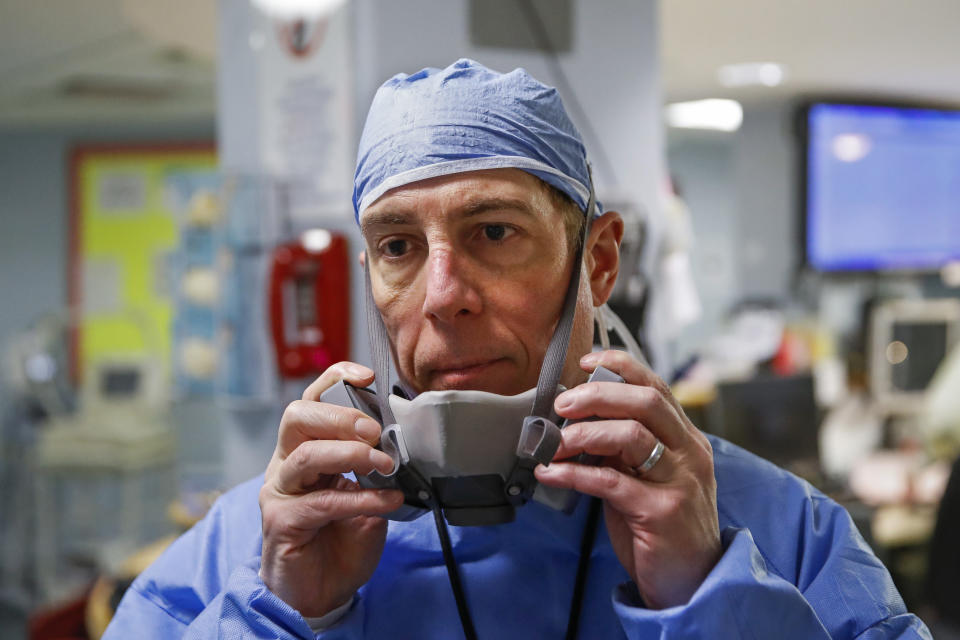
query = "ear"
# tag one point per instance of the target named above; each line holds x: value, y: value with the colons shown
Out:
x: 362, y: 259
x: 603, y: 255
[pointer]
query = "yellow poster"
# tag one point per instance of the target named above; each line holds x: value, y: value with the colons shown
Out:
x: 127, y: 206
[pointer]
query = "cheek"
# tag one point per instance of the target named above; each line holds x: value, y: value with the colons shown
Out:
x: 532, y: 303
x: 400, y: 309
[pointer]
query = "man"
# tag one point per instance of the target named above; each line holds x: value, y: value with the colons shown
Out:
x: 471, y: 190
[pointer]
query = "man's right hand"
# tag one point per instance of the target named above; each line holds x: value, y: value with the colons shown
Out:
x: 322, y: 537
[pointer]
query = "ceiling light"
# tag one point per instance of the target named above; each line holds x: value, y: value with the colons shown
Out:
x: 316, y: 240
x: 295, y: 9
x: 712, y: 113
x: 746, y: 74
x: 950, y: 274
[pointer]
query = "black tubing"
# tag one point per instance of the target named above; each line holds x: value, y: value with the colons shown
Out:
x: 586, y: 546
x: 453, y: 573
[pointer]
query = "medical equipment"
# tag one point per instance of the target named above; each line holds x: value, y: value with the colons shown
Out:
x: 909, y: 340
x: 774, y: 417
x: 104, y: 476
x: 470, y: 452
x: 35, y: 386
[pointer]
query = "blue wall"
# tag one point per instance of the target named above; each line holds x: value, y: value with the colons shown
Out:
x: 34, y: 193
x: 34, y: 200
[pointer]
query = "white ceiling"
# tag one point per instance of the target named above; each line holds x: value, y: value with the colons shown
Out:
x: 153, y: 60
x: 897, y: 48
x: 67, y: 61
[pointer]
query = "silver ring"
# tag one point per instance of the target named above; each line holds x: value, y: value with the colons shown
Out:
x: 651, y: 460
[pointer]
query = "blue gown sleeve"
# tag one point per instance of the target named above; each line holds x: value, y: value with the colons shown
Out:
x: 743, y: 598
x: 245, y: 608
x: 205, y: 585
x: 794, y: 566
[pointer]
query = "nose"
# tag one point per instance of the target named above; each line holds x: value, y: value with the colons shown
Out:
x: 450, y: 293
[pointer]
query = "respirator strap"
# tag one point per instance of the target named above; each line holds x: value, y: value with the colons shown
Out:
x: 608, y: 321
x: 379, y: 347
x: 556, y: 354
x: 540, y: 437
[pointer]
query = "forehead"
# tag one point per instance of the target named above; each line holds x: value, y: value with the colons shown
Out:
x: 462, y: 193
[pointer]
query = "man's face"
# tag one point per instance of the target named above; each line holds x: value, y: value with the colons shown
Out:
x: 469, y: 272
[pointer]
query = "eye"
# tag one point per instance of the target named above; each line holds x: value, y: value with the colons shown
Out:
x: 495, y: 232
x: 394, y: 248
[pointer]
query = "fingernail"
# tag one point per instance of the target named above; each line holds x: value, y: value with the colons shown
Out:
x: 368, y: 429
x: 590, y: 358
x: 358, y: 371
x: 383, y: 463
x: 563, y: 401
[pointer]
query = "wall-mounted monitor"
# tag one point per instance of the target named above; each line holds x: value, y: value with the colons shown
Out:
x: 882, y: 188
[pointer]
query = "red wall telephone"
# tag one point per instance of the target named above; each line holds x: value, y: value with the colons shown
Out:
x: 310, y: 303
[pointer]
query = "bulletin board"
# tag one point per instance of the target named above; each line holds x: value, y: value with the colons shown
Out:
x: 126, y: 205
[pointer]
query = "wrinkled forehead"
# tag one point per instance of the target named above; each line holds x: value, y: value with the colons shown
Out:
x: 462, y: 194
x: 538, y: 178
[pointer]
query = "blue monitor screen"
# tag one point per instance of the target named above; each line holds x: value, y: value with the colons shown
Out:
x: 883, y: 188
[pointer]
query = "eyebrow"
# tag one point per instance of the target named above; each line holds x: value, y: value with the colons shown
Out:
x: 471, y: 208
x: 483, y: 205
x: 380, y: 218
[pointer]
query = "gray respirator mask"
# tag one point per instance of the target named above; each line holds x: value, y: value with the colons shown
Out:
x: 468, y: 453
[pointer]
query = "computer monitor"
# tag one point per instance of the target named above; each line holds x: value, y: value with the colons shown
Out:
x: 774, y: 417
x: 882, y: 187
x: 124, y: 381
x: 909, y: 340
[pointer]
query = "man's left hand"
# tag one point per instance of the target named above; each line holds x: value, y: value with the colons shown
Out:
x: 662, y: 522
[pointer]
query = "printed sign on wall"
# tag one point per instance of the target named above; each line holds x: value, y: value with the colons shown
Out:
x: 125, y: 222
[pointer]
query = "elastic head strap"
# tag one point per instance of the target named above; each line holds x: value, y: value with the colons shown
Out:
x: 379, y: 347
x: 556, y: 354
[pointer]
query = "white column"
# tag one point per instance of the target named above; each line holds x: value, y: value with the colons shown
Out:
x: 286, y: 136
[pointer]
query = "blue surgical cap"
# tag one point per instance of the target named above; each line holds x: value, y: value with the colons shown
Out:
x: 465, y: 118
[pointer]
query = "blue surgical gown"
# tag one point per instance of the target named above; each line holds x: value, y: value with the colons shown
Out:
x: 793, y: 566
